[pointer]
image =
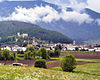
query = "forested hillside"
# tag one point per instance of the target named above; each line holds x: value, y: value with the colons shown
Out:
x: 8, y: 28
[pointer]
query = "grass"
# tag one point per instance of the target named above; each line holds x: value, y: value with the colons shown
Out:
x: 52, y: 61
x: 79, y: 52
x: 89, y: 60
x: 92, y: 69
x: 55, y: 57
x: 81, y: 60
x: 83, y: 72
x: 87, y: 69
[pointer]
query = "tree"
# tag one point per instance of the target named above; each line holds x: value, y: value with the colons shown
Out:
x: 28, y: 55
x: 38, y: 53
x: 36, y: 47
x: 44, y: 54
x: 60, y: 47
x: 41, y: 63
x: 6, y: 54
x: 31, y: 48
x: 34, y: 54
x: 57, y: 51
x: 15, y: 56
x: 76, y: 49
x: 51, y: 53
x: 68, y: 63
x: 1, y: 55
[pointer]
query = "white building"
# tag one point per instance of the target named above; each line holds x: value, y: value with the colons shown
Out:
x: 92, y: 49
x: 97, y: 48
x: 15, y: 48
x: 7, y: 47
x: 24, y: 35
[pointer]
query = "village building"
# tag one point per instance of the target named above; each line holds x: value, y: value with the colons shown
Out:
x: 24, y: 35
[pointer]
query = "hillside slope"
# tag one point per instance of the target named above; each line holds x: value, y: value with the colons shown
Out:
x: 8, y: 28
x: 83, y: 72
x: 72, y: 29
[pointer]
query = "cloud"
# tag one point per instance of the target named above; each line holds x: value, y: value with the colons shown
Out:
x: 46, y: 14
x: 21, y: 0
x: 76, y: 17
x: 94, y: 5
x: 1, y: 0
x: 98, y: 21
x: 76, y: 5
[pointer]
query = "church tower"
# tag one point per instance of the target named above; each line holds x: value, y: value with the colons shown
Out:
x: 74, y: 42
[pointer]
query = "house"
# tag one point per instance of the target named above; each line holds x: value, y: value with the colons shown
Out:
x: 97, y: 48
x: 6, y: 47
x: 18, y: 34
x: 48, y: 48
x: 24, y: 35
x: 18, y: 48
x: 64, y: 48
x: 13, y: 48
x: 91, y: 49
x: 34, y: 43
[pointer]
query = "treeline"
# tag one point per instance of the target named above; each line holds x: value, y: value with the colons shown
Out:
x: 8, y: 28
x: 31, y: 53
x: 6, y: 55
x: 68, y: 62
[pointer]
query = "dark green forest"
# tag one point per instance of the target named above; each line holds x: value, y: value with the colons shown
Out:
x: 9, y: 28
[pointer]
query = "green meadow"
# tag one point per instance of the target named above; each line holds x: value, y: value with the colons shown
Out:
x: 82, y: 72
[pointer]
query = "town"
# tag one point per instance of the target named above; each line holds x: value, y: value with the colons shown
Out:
x: 49, y: 39
x: 51, y: 46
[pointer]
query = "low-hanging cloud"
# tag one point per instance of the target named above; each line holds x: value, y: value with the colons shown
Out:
x: 46, y: 14
x: 1, y: 0
x: 98, y: 21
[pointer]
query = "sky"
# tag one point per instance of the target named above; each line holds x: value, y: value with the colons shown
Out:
x: 92, y: 4
x: 48, y: 14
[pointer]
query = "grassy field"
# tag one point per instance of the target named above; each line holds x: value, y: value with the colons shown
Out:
x: 79, y: 52
x: 89, y: 60
x: 83, y: 72
x: 81, y: 60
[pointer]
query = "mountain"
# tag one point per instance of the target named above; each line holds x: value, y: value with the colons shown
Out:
x: 8, y: 28
x: 74, y: 30
x: 7, y: 7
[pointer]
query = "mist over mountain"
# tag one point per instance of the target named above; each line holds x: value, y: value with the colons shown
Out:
x: 82, y: 25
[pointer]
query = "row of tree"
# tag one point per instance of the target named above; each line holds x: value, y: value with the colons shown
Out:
x: 7, y: 55
x: 31, y: 53
x: 34, y: 53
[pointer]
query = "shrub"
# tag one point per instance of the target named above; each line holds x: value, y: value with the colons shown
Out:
x: 57, y: 51
x: 1, y: 56
x: 41, y: 63
x: 68, y: 63
x: 76, y: 49
x: 6, y: 54
x: 31, y: 48
x: 44, y: 53
x: 28, y: 55
x: 51, y: 53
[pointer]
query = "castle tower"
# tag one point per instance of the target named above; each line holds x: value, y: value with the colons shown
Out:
x: 18, y: 34
x: 74, y: 42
